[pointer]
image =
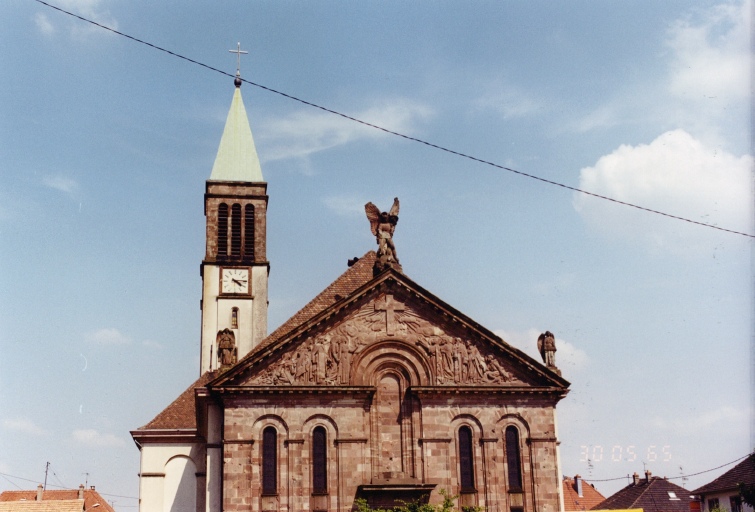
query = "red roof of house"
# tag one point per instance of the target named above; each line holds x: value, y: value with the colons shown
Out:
x: 744, y: 472
x: 53, y: 501
x: 652, y: 494
x: 573, y: 501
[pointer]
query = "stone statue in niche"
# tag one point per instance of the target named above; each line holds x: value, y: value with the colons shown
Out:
x: 546, y: 345
x: 382, y: 225
x: 227, y: 353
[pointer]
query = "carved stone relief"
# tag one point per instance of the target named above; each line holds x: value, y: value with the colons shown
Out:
x: 327, y: 358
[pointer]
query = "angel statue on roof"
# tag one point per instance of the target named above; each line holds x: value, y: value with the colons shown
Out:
x: 383, y: 224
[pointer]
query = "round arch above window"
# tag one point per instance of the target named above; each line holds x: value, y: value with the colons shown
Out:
x: 385, y: 355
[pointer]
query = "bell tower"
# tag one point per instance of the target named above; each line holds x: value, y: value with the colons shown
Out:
x: 235, y: 267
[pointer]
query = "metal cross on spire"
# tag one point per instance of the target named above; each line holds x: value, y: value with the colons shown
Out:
x: 238, y: 51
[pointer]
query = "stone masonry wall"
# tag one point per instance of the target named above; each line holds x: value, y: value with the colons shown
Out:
x: 348, y: 426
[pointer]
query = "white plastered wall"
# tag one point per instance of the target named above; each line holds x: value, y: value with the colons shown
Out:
x: 155, y: 459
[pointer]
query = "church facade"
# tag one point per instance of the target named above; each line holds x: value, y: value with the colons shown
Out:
x: 375, y: 389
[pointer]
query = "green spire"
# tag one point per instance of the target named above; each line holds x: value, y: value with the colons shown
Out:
x: 237, y: 158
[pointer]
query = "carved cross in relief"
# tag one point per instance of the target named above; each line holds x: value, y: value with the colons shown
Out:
x: 390, y: 307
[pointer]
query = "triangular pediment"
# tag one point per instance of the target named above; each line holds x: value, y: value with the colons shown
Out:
x: 388, y: 317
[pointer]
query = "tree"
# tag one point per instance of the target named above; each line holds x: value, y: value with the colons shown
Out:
x: 361, y: 505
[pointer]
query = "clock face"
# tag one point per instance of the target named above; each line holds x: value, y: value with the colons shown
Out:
x: 235, y: 280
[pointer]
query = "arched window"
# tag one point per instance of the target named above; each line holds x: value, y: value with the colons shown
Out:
x: 513, y: 459
x: 235, y: 318
x: 466, y: 459
x: 236, y: 230
x: 269, y: 461
x: 319, y: 461
x: 249, y: 231
x: 223, y: 229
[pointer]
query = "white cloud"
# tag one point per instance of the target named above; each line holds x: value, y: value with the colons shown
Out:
x: 109, y: 336
x: 708, y: 86
x: 509, y: 101
x: 61, y: 183
x: 92, y: 438
x: 711, y: 58
x: 90, y: 9
x: 24, y: 425
x: 675, y: 174
x: 568, y: 356
x: 43, y: 24
x: 306, y: 132
x: 704, y: 87
x: 345, y: 206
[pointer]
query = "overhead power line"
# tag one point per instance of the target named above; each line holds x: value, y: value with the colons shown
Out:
x: 674, y: 477
x: 398, y: 134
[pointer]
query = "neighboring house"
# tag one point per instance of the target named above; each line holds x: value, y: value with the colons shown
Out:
x: 376, y: 388
x: 723, y: 492
x: 63, y: 500
x: 579, y: 495
x: 652, y: 494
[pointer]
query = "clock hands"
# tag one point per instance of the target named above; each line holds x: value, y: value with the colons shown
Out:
x: 239, y: 282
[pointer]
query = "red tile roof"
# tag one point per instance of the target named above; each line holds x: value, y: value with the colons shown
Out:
x: 744, y: 472
x: 182, y: 413
x: 53, y: 501
x: 651, y: 495
x: 573, y: 501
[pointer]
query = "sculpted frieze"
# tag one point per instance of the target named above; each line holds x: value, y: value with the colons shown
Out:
x: 326, y: 358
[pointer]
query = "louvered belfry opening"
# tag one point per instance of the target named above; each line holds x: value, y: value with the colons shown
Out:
x: 249, y: 231
x: 236, y: 230
x: 222, y: 230
x: 236, y: 233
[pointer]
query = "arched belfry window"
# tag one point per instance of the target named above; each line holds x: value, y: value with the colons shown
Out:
x: 236, y: 230
x: 235, y: 318
x: 513, y: 459
x: 319, y: 461
x: 269, y: 461
x: 249, y: 232
x: 223, y: 229
x: 466, y: 460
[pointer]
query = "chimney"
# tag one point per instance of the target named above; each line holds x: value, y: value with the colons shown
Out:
x: 81, y: 491
x: 578, y: 485
x: 636, y: 478
x: 648, y: 474
x: 39, y: 492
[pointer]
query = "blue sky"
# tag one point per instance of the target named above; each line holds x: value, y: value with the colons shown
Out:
x: 105, y: 145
